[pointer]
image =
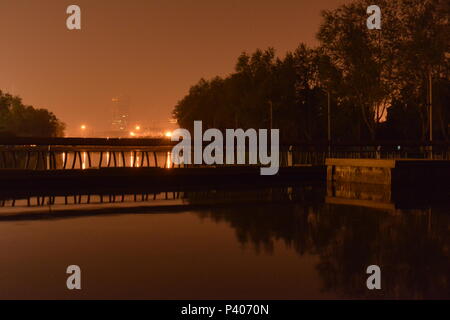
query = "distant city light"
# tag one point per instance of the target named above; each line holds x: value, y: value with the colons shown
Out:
x: 83, y: 127
x: 132, y: 134
x: 168, y: 134
x: 138, y: 127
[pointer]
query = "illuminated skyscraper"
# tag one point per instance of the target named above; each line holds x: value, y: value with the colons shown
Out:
x: 120, y: 114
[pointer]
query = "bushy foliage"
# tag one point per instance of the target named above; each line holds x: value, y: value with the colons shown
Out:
x: 17, y: 119
x: 377, y: 79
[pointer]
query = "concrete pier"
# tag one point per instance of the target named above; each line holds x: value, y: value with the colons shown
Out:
x: 398, y: 172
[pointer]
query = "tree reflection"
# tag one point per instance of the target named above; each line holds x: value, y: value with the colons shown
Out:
x: 412, y: 247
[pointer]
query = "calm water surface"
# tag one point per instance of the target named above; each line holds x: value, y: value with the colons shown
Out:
x: 297, y: 247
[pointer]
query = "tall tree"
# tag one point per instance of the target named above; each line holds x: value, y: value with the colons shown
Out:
x: 17, y: 119
x: 378, y: 64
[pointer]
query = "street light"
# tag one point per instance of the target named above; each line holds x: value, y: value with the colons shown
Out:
x: 328, y: 116
x: 327, y: 91
x: 83, y: 129
x: 430, y: 104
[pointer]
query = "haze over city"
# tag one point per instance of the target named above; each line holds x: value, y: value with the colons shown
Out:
x: 151, y: 51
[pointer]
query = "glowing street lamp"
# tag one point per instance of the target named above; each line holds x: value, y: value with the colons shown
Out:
x: 168, y: 134
x: 83, y: 129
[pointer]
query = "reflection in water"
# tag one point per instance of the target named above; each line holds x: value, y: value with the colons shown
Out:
x: 412, y: 247
x: 268, y: 243
x: 83, y: 166
x: 63, y: 156
x: 169, y: 160
x: 133, y: 158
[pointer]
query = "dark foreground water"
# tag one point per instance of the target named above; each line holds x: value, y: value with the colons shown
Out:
x: 288, y: 243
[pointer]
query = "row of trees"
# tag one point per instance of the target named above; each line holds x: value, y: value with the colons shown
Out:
x: 17, y: 119
x: 376, y: 80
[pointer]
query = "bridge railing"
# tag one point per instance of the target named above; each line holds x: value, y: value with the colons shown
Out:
x: 85, y: 153
x: 308, y: 154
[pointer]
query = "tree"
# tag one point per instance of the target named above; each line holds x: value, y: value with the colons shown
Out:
x: 365, y: 72
x: 376, y: 65
x: 17, y: 119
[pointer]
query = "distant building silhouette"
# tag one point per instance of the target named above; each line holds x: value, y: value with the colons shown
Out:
x: 120, y: 114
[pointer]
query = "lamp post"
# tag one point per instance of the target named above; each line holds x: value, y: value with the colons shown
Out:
x: 328, y: 120
x: 430, y: 104
x: 270, y: 114
x: 329, y: 116
x: 83, y: 128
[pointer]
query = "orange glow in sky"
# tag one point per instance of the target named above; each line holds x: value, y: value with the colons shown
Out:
x: 151, y: 51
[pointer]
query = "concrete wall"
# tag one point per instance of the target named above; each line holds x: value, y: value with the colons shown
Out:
x: 360, y: 170
x: 401, y: 172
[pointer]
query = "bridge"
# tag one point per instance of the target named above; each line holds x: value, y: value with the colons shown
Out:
x: 36, y: 171
x: 90, y: 153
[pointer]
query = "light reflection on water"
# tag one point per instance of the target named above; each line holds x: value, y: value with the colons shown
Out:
x: 296, y: 247
x: 129, y: 159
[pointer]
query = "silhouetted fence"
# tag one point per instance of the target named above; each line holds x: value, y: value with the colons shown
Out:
x: 85, y: 153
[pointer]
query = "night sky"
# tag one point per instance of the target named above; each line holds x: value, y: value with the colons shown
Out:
x: 150, y: 50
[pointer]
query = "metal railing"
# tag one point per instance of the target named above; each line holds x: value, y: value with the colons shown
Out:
x: 89, y: 153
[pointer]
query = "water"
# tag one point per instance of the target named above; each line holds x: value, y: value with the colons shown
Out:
x: 280, y: 243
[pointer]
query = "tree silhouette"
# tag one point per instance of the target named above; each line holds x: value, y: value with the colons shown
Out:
x: 377, y: 79
x: 17, y: 119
